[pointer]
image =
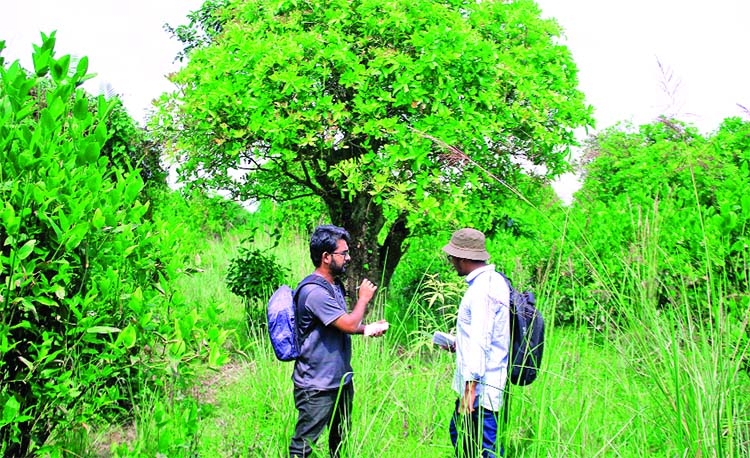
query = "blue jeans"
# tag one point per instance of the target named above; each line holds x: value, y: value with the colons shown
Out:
x: 469, y: 438
x: 316, y: 410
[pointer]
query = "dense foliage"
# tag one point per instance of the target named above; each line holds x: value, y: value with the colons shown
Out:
x: 130, y: 146
x: 253, y: 275
x: 684, y: 193
x: 355, y: 103
x: 525, y: 235
x: 87, y: 323
x: 345, y: 109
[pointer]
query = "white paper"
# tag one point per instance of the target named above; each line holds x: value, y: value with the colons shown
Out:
x: 443, y: 339
x: 374, y: 328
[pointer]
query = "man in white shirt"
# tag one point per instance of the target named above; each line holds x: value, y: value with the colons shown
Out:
x: 482, y: 347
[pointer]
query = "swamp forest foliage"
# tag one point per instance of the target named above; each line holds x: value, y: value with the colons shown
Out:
x: 93, y: 245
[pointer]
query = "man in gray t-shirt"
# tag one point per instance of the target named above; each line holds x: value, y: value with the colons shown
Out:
x: 323, y: 387
x: 325, y: 352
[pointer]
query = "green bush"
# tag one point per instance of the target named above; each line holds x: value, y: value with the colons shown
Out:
x: 253, y: 275
x: 204, y: 215
x: 666, y: 183
x: 522, y: 236
x: 87, y: 315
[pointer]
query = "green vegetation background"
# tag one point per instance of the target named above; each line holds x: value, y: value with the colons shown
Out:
x: 128, y: 329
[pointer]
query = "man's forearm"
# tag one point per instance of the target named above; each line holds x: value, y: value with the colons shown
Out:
x: 351, y: 322
x: 358, y: 314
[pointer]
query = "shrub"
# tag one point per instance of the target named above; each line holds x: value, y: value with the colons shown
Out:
x: 86, y: 309
x: 253, y: 275
x: 663, y: 182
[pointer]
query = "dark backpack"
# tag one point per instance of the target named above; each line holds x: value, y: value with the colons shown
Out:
x: 282, y: 317
x: 526, y: 337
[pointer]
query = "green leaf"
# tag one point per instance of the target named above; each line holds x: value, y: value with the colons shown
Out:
x: 729, y: 222
x: 94, y: 183
x: 41, y: 62
x: 90, y: 153
x: 11, y: 222
x: 82, y: 67
x: 186, y: 324
x: 76, y: 235
x: 6, y: 111
x: 145, y: 319
x: 100, y: 132
x: 160, y: 415
x: 177, y: 349
x: 25, y: 159
x: 11, y: 409
x: 48, y: 122
x: 134, y: 186
x: 45, y: 301
x: 81, y: 108
x: 59, y: 69
x: 97, y: 221
x: 217, y: 357
x: 29, y: 365
x: 26, y: 249
x: 127, y: 337
x: 745, y: 206
x: 136, y: 301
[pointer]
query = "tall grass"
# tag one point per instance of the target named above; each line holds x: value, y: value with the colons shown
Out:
x: 659, y: 382
x: 397, y: 406
x: 689, y: 355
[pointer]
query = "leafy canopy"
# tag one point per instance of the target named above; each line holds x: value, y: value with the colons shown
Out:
x: 349, y: 101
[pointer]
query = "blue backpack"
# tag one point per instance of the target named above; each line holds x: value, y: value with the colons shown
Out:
x: 282, y: 317
x: 526, y: 337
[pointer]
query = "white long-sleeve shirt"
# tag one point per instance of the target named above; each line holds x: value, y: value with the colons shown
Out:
x: 483, y: 337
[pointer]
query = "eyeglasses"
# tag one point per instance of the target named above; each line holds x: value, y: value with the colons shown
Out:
x: 342, y: 253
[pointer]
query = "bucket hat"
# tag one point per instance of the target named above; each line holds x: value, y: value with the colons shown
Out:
x: 467, y: 243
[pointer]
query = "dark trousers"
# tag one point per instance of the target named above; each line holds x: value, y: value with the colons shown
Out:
x: 475, y: 435
x: 316, y: 410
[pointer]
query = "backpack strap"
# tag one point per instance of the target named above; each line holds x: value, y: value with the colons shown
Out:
x: 312, y: 279
x: 510, y: 286
x: 528, y: 294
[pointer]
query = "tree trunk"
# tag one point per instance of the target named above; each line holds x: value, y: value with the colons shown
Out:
x: 370, y: 260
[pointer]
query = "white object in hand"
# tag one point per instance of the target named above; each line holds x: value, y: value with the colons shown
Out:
x: 443, y: 339
x: 374, y: 328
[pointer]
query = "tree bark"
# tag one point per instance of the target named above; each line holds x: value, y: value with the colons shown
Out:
x: 364, y: 221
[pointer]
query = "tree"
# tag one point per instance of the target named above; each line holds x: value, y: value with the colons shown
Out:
x: 129, y: 146
x: 352, y: 102
x: 664, y: 189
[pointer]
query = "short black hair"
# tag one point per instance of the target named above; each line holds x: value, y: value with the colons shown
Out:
x: 324, y: 240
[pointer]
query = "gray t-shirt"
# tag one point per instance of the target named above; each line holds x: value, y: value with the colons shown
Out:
x: 325, y: 352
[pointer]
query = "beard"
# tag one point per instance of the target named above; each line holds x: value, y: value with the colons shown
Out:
x: 338, y: 270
